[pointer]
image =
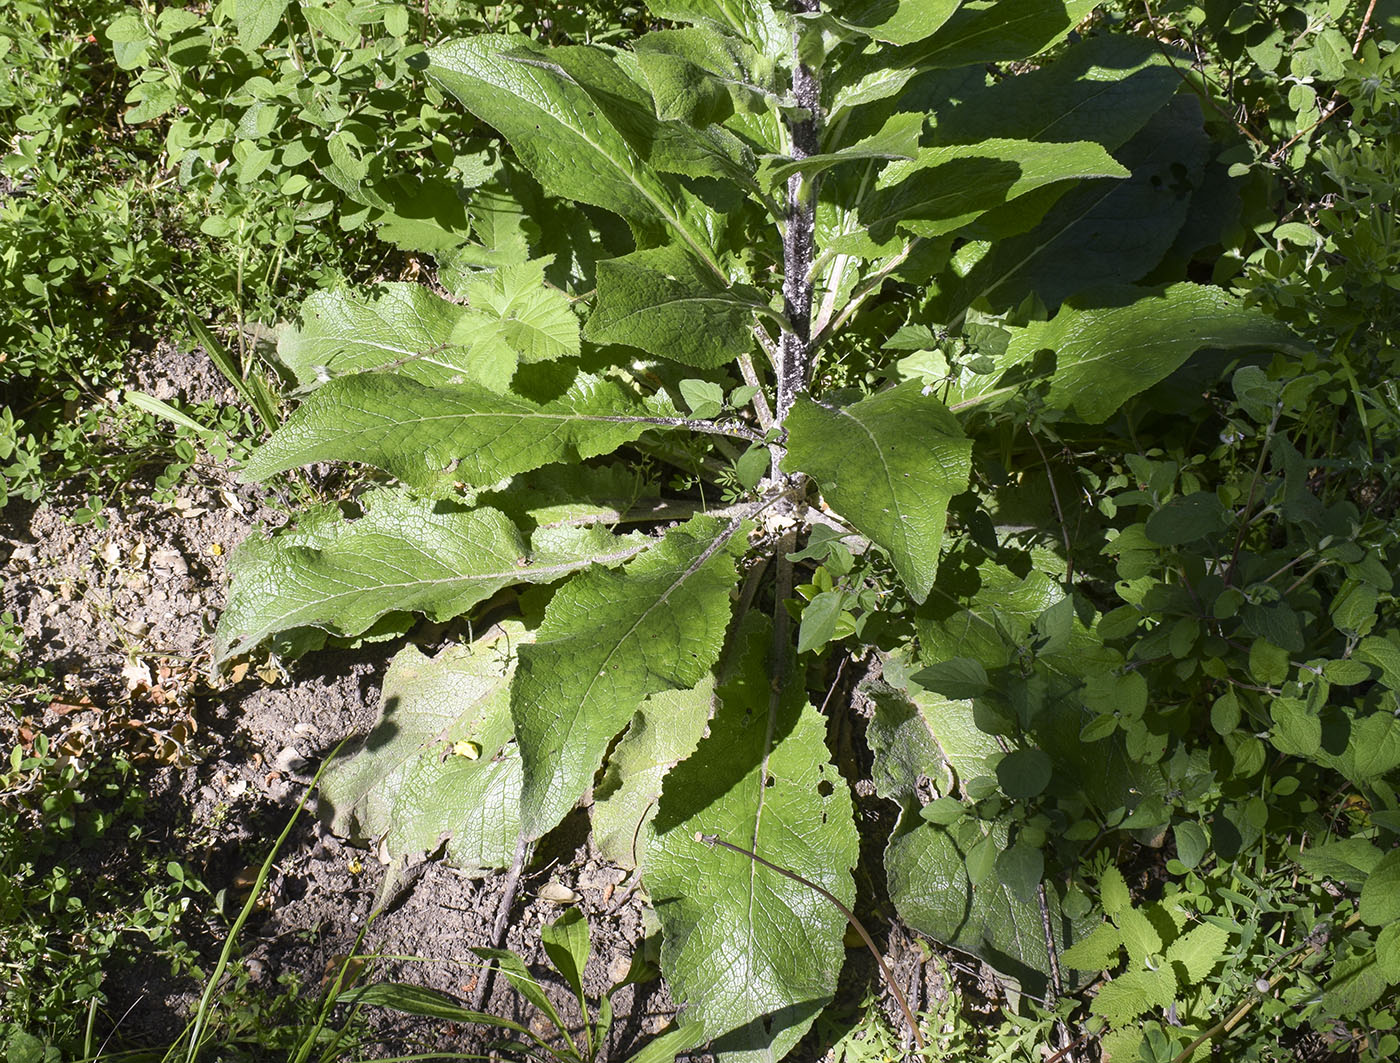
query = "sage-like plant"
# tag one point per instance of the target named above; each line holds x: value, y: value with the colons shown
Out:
x: 820, y: 253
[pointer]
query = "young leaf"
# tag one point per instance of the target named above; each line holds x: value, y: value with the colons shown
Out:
x: 465, y: 432
x: 437, y: 767
x: 664, y: 731
x: 1124, y: 340
x: 566, y: 943
x: 752, y: 954
x: 514, y: 317
x: 888, y: 464
x: 401, y: 555
x: 607, y: 641
x: 655, y: 301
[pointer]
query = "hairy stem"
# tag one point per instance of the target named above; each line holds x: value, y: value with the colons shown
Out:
x: 799, y: 243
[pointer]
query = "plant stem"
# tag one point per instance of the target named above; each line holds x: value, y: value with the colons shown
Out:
x: 799, y: 236
x: 714, y: 839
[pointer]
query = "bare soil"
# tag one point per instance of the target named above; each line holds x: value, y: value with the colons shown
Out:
x: 119, y: 613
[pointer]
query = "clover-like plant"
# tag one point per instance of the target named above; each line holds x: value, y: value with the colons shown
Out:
x: 761, y: 287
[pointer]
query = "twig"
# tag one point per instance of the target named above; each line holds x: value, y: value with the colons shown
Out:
x: 1336, y: 102
x: 502, y: 924
x: 750, y: 375
x: 714, y: 839
x: 1059, y: 512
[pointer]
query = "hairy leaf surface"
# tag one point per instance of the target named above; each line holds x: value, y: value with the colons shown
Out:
x: 950, y: 186
x: 425, y: 435
x: 560, y: 131
x: 888, y: 464
x: 608, y: 640
x: 439, y: 765
x: 402, y: 555
x: 753, y: 954
x: 345, y: 331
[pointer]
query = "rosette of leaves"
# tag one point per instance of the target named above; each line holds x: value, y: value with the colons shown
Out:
x: 757, y: 197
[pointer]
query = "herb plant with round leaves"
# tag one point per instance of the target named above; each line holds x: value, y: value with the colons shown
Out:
x: 776, y: 290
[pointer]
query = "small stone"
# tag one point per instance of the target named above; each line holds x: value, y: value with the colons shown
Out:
x: 289, y: 760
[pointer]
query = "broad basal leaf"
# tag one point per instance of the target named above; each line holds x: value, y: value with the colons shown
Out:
x: 888, y: 464
x: 439, y: 766
x: 663, y: 732
x: 950, y: 186
x: 344, y: 331
x: 751, y: 954
x: 401, y: 555
x: 1125, y: 340
x: 656, y: 301
x: 608, y: 640
x: 467, y: 432
x: 560, y: 131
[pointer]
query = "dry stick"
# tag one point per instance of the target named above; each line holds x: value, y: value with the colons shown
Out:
x: 1059, y: 512
x: 498, y: 932
x: 1336, y: 101
x: 714, y: 839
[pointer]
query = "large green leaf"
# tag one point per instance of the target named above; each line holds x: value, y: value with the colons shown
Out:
x: 950, y: 186
x: 346, y: 331
x: 979, y: 32
x: 608, y: 640
x: 654, y: 300
x: 467, y: 432
x: 1125, y: 340
x: 439, y: 767
x: 888, y: 464
x: 751, y: 954
x: 401, y: 555
x: 753, y: 20
x: 562, y: 133
x: 1104, y: 232
x: 664, y: 731
x: 1103, y: 89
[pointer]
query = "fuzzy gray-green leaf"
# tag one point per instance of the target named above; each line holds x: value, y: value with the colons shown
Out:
x: 402, y: 555
x: 467, y: 432
x: 439, y: 766
x: 752, y: 954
